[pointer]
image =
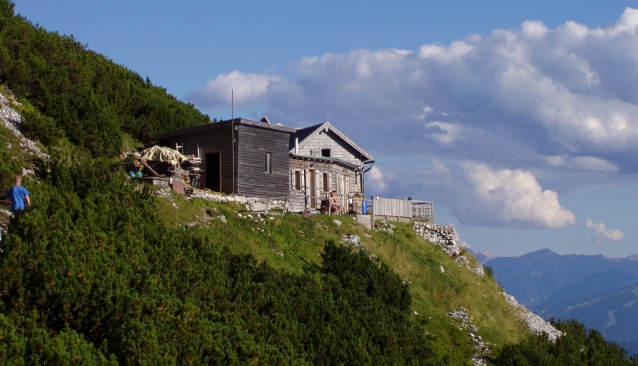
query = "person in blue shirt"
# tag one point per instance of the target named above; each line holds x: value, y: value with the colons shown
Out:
x: 18, y: 194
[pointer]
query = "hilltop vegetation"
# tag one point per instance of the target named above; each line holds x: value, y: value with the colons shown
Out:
x: 81, y: 95
x: 101, y: 271
x: 576, y: 347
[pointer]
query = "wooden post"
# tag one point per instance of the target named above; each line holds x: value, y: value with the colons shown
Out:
x: 374, y: 208
x: 267, y: 207
x: 147, y: 167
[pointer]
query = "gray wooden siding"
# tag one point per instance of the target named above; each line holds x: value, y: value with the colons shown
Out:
x: 338, y: 149
x: 216, y: 140
x: 253, y: 144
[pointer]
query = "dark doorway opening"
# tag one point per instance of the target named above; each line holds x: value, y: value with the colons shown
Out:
x: 213, y: 172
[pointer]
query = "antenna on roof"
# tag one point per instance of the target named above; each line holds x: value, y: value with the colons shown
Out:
x: 232, y: 128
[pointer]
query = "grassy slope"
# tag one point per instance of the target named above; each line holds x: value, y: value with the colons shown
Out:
x: 300, y: 239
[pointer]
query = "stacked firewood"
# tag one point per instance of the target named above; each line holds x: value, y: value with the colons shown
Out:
x: 163, y: 168
x: 192, y: 171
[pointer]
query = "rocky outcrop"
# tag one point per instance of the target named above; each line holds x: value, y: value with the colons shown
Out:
x: 355, y: 241
x: 382, y: 225
x: 11, y: 119
x: 535, y: 323
x: 447, y: 239
x: 443, y: 236
x: 465, y: 322
x: 166, y: 193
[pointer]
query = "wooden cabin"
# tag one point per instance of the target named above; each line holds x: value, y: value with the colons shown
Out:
x: 258, y: 166
x: 271, y: 160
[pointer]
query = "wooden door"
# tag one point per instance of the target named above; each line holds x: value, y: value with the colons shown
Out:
x: 212, y: 172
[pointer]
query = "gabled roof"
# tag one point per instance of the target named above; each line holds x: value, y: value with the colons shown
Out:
x: 307, y: 133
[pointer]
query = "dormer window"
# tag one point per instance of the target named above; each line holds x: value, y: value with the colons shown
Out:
x: 325, y: 153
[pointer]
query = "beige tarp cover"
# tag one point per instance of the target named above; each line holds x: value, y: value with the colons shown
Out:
x: 160, y: 153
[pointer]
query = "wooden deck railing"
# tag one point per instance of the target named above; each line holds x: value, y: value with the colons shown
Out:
x: 414, y: 209
x: 305, y: 202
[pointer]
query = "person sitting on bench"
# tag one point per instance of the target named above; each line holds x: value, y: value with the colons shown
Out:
x: 334, y: 204
x: 325, y: 206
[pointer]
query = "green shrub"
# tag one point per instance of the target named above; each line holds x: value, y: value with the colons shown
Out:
x: 576, y: 347
x: 39, y: 127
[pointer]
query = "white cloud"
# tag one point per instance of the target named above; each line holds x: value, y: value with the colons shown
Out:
x: 585, y: 163
x: 515, y: 197
x: 376, y: 180
x: 602, y: 234
x: 248, y: 89
x: 478, y: 195
x: 448, y: 132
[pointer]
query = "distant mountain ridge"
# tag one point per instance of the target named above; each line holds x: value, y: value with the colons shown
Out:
x: 482, y: 255
x: 614, y: 313
x: 600, y: 292
x: 596, y: 283
x: 534, y: 277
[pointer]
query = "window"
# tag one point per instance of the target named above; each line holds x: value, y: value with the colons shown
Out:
x: 297, y: 179
x: 325, y: 153
x: 268, y: 163
x: 326, y: 185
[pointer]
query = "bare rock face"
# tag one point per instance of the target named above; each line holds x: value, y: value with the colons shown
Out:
x: 11, y: 119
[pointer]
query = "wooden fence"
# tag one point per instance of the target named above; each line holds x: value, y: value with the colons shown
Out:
x: 423, y: 210
x: 392, y: 207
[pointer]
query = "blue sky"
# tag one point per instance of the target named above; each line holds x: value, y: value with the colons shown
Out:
x: 518, y: 119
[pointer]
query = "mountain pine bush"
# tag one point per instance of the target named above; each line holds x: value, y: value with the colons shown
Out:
x: 81, y: 93
x: 89, y: 275
x: 576, y: 347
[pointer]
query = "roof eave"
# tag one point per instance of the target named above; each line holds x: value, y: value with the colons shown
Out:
x: 221, y: 124
x: 325, y: 159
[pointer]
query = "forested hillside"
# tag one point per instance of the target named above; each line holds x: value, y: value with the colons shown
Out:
x: 100, y: 270
x: 80, y: 94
